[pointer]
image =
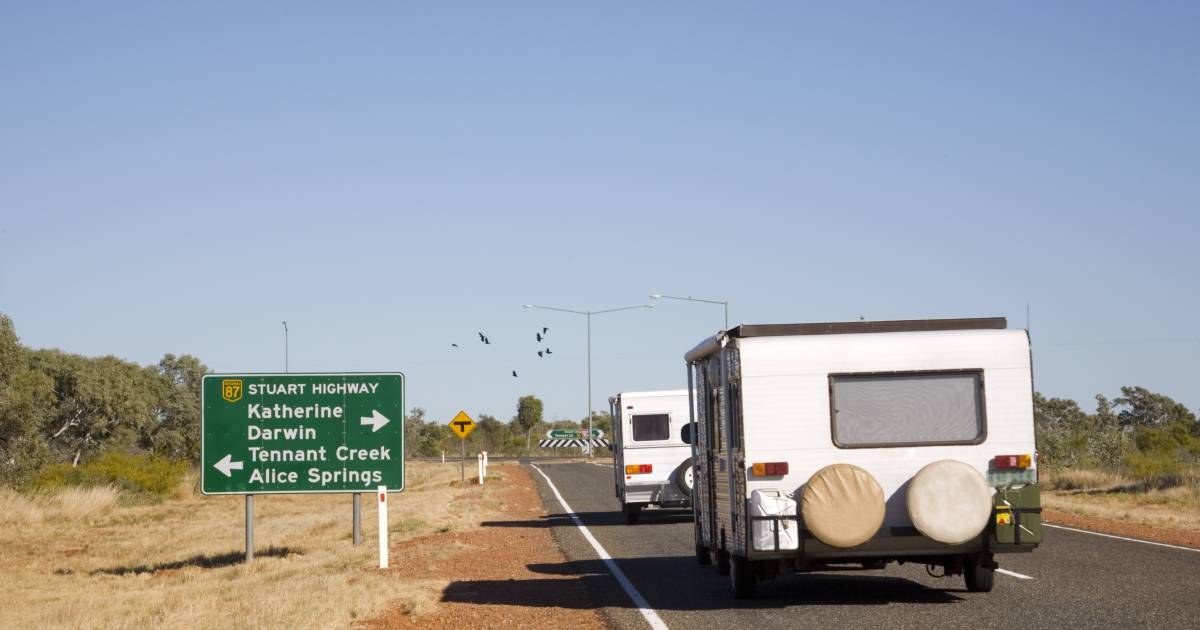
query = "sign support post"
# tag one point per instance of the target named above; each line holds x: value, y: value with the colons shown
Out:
x: 383, y: 533
x: 249, y: 527
x: 357, y: 519
x: 462, y: 467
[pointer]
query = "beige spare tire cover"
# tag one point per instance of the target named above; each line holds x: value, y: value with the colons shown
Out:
x: 949, y: 501
x: 842, y: 505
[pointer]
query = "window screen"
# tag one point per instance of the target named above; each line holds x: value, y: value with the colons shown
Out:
x: 651, y: 427
x: 907, y: 409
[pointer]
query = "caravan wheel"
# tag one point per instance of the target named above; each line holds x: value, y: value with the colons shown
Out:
x: 702, y: 554
x: 742, y: 577
x: 979, y: 576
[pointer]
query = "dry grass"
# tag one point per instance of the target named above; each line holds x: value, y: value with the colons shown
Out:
x: 81, y: 559
x: 1083, y: 479
x: 72, y: 504
x: 1113, y: 496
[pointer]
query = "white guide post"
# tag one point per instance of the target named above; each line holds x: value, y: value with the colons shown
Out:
x: 485, y: 463
x: 479, y: 460
x: 383, y: 520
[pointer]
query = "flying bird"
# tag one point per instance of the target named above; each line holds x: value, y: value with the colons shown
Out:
x: 548, y: 351
x: 545, y: 330
x: 514, y: 373
x: 454, y: 344
x: 482, y: 338
x: 539, y: 336
x: 539, y: 354
x: 487, y: 341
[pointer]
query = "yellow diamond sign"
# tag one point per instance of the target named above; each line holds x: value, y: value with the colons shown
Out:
x: 462, y: 425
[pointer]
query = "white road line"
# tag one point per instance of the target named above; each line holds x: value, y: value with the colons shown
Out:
x: 599, y: 464
x: 643, y: 606
x: 1021, y: 576
x: 1144, y: 542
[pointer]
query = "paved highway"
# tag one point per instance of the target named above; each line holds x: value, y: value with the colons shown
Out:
x: 1075, y: 580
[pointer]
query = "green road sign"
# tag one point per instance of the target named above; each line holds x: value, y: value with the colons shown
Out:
x: 569, y: 434
x: 292, y: 433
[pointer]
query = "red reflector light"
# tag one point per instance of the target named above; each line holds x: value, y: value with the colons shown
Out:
x: 638, y: 469
x: 1012, y: 462
x: 769, y: 469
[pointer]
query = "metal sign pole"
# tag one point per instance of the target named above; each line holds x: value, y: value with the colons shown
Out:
x: 249, y: 527
x: 462, y: 468
x: 357, y: 518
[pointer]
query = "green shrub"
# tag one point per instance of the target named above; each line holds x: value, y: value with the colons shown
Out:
x: 140, y: 474
x: 1155, y: 470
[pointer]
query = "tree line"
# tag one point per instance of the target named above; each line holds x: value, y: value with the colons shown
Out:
x: 1141, y: 433
x: 518, y: 436
x: 57, y: 407
x: 63, y: 408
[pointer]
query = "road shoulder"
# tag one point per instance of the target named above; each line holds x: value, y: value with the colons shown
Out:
x: 495, y: 575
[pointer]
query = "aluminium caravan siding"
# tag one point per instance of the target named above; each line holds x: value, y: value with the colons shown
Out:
x: 702, y: 457
x: 614, y: 414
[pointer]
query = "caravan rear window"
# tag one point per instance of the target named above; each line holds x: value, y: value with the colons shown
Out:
x: 651, y: 427
x: 907, y: 409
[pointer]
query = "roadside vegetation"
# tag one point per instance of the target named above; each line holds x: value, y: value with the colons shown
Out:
x: 1136, y: 458
x: 67, y: 419
x: 82, y: 557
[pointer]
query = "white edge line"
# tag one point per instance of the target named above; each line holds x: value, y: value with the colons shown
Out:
x: 1136, y: 540
x: 643, y: 606
x: 599, y: 464
x: 1021, y: 576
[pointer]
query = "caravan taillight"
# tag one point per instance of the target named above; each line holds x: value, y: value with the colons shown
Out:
x: 769, y: 469
x: 637, y: 469
x: 1012, y: 462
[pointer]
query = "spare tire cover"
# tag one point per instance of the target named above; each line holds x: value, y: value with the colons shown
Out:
x: 842, y: 505
x: 949, y: 501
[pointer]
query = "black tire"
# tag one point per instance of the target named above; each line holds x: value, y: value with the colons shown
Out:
x: 742, y: 577
x: 980, y: 577
x: 722, y: 562
x: 681, y: 474
x: 633, y: 512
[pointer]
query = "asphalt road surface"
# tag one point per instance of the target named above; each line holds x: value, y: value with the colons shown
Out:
x: 1078, y: 580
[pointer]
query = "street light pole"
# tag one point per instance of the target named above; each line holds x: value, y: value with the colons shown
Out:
x: 689, y: 298
x: 589, y: 314
x: 285, y: 348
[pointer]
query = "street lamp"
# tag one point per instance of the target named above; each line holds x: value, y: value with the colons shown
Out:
x: 589, y: 350
x: 692, y: 299
x: 285, y: 347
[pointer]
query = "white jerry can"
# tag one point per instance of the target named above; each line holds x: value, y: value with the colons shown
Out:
x: 773, y: 503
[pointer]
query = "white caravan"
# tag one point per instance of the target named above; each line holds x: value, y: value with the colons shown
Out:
x: 651, y: 462
x: 851, y: 445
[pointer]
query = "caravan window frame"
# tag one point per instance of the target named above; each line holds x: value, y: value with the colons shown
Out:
x: 633, y: 430
x: 981, y: 399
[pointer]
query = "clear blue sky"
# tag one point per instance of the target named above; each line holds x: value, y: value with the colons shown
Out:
x: 391, y: 179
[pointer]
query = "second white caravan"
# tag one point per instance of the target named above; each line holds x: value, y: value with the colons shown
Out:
x: 652, y: 465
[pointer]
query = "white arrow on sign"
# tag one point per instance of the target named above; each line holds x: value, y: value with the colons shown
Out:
x: 226, y: 466
x: 376, y: 420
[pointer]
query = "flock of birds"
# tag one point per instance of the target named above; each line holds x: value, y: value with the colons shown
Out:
x: 541, y: 336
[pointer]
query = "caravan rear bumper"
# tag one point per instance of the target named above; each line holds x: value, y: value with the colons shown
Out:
x: 663, y: 494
